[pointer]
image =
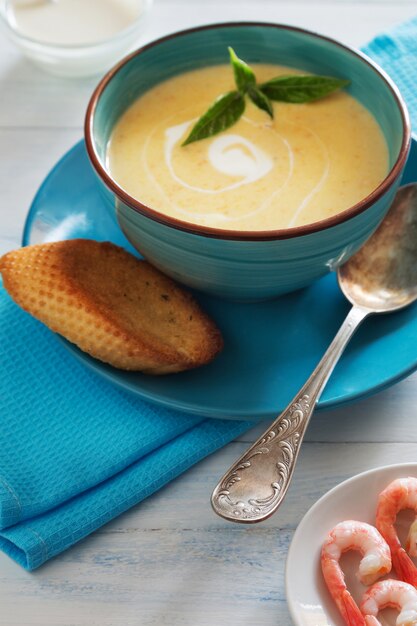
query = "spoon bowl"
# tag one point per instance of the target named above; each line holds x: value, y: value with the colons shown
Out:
x: 382, y: 276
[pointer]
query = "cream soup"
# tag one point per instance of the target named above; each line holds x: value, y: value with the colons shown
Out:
x: 310, y: 162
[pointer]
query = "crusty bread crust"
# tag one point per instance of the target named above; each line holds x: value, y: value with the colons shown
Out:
x: 112, y: 305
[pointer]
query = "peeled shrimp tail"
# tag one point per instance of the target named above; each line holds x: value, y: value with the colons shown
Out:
x: 347, y: 606
x: 399, y: 495
x: 350, y: 610
x: 370, y: 620
x: 404, y: 566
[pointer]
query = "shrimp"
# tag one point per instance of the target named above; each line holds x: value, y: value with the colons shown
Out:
x: 376, y: 561
x: 400, y: 494
x: 393, y: 593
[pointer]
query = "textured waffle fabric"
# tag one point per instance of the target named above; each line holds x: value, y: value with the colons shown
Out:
x: 396, y: 52
x: 76, y: 452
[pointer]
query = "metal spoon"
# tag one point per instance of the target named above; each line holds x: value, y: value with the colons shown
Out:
x: 380, y: 278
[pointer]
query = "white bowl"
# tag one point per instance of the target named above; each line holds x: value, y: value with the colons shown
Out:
x: 309, y: 602
x: 77, y: 60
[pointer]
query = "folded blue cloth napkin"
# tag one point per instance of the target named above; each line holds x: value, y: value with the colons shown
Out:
x: 76, y: 452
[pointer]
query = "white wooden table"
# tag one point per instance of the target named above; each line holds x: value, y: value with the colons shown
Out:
x: 171, y: 561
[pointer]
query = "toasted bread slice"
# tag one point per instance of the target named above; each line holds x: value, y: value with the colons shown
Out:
x: 112, y: 305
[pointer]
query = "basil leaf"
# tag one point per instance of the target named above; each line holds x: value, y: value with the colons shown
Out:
x: 261, y: 100
x: 301, y: 88
x: 222, y: 114
x: 244, y: 75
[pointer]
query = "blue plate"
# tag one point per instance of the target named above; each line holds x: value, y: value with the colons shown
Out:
x: 270, y: 347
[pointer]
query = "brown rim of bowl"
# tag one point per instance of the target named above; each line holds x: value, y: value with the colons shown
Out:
x: 261, y: 235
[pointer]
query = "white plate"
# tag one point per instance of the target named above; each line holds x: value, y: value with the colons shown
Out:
x: 309, y: 602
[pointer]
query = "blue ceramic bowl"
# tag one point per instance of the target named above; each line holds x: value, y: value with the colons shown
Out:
x: 246, y: 264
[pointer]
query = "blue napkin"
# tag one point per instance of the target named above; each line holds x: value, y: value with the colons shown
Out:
x: 76, y: 452
x: 396, y: 52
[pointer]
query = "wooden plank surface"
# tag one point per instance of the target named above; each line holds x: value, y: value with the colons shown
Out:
x: 157, y: 565
x: 171, y: 561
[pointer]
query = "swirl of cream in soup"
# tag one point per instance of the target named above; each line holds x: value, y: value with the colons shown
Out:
x: 235, y: 156
x: 225, y: 155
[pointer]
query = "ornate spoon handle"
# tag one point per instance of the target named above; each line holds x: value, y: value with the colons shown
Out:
x: 254, y: 487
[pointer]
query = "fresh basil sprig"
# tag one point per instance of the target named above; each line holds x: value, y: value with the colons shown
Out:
x: 223, y: 113
x: 301, y: 88
x: 228, y: 108
x: 244, y: 75
x: 261, y: 100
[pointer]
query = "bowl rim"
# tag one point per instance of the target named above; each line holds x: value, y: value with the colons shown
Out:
x: 247, y: 235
